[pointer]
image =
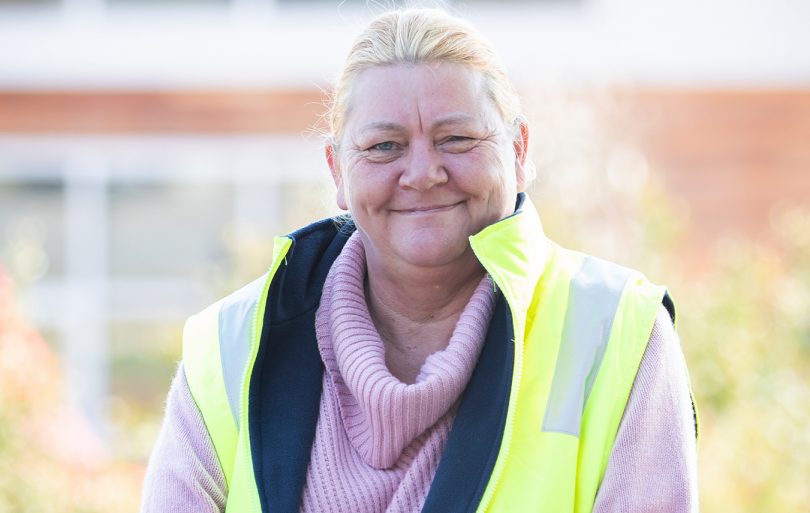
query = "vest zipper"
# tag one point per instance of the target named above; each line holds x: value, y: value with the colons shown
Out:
x: 246, y: 390
x: 506, y: 443
x: 280, y: 248
x: 254, y: 344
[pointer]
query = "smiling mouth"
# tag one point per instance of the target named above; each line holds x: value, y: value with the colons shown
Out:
x: 431, y: 209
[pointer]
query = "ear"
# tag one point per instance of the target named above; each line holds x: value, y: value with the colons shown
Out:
x: 334, y: 168
x: 521, y: 145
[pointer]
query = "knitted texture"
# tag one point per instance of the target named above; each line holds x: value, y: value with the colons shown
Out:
x: 378, y: 441
x: 184, y: 473
x: 652, y: 466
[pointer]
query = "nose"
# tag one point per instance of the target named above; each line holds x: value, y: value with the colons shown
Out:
x: 424, y: 167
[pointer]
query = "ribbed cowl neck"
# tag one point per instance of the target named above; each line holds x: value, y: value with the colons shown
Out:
x: 382, y: 415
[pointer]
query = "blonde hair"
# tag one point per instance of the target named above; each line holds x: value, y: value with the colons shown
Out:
x: 416, y: 36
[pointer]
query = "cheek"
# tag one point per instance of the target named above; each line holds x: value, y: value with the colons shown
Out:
x: 365, y: 186
x: 483, y: 174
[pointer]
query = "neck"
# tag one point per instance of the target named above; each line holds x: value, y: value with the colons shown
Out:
x: 416, y: 309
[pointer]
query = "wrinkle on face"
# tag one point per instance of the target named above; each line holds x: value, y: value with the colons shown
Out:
x: 472, y: 128
x: 421, y: 136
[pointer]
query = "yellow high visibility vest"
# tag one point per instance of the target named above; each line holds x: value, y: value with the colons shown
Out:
x: 580, y: 327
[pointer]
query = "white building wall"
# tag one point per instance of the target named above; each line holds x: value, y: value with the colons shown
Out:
x: 88, y: 44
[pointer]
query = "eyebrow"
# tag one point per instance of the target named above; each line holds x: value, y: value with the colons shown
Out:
x: 455, y: 119
x: 452, y: 119
x: 381, y: 126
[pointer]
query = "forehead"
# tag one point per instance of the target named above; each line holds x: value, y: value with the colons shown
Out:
x: 421, y: 94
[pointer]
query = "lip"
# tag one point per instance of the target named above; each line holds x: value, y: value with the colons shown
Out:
x: 427, y: 209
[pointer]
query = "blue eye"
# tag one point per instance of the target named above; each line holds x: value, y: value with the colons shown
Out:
x: 384, y: 146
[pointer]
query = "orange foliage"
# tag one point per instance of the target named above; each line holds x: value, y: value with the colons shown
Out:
x: 52, y: 458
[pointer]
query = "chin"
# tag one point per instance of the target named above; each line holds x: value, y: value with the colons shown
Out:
x: 433, y: 253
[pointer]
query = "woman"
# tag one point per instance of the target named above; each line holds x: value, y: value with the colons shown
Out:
x: 435, y: 352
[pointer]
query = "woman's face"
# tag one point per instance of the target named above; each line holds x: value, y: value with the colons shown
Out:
x: 425, y: 161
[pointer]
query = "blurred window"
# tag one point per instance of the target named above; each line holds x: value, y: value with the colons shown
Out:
x: 345, y: 2
x: 31, y: 229
x: 158, y: 228
x: 159, y: 4
x: 166, y: 3
x: 25, y: 3
x: 396, y: 3
x: 521, y: 2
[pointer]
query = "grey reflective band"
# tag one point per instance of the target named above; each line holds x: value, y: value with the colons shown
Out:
x: 235, y: 331
x: 593, y: 299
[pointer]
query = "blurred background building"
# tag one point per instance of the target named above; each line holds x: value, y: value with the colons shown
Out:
x: 150, y: 149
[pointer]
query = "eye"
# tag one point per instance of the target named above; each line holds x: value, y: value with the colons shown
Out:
x: 381, y: 152
x: 384, y: 146
x: 458, y: 143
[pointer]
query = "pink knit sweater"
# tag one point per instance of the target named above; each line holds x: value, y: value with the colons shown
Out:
x: 652, y: 467
x: 378, y: 441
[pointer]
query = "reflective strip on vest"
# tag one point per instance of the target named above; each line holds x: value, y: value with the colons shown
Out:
x: 223, y: 329
x: 593, y: 299
x: 203, y: 370
x: 235, y: 329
